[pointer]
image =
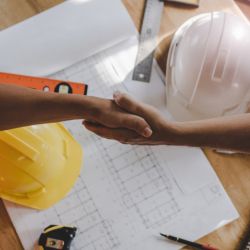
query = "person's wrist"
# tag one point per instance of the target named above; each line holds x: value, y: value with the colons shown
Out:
x: 174, y: 133
x: 72, y: 106
x: 92, y: 107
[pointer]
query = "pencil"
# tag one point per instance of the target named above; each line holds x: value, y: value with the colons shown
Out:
x: 189, y: 243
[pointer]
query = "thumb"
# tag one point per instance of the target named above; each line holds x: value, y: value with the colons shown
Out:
x: 128, y: 103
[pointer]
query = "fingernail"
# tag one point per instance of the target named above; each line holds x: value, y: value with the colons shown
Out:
x: 147, y: 132
x: 116, y: 94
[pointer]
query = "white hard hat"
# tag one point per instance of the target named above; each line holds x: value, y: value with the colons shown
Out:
x: 208, y: 68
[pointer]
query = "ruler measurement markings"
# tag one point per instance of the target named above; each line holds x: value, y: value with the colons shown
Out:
x: 148, y: 40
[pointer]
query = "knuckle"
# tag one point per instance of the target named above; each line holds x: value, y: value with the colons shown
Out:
x: 122, y: 99
x: 137, y: 109
x: 139, y: 124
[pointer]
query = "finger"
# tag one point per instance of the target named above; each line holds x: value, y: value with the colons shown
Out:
x: 132, y: 122
x: 122, y: 135
x: 137, y: 124
x: 127, y: 103
x: 131, y: 105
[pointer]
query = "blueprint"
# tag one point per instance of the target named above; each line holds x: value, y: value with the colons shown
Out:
x: 126, y: 194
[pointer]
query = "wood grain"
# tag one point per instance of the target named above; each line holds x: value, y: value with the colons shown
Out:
x: 8, y: 237
x: 233, y: 170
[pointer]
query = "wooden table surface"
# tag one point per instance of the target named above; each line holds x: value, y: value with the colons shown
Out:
x: 233, y: 170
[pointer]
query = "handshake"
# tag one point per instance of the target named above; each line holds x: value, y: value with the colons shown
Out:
x: 130, y: 122
x: 123, y: 119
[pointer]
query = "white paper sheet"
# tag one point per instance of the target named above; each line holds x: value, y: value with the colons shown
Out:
x: 63, y: 35
x: 126, y: 194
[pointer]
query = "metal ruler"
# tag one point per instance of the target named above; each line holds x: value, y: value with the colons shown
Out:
x: 148, y: 40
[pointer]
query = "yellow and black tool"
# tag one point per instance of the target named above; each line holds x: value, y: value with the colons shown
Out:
x: 57, y: 237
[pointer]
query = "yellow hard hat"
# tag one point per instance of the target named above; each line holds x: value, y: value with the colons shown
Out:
x: 38, y: 164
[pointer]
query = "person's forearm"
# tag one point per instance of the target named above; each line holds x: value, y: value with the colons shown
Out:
x: 22, y: 106
x: 230, y: 133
